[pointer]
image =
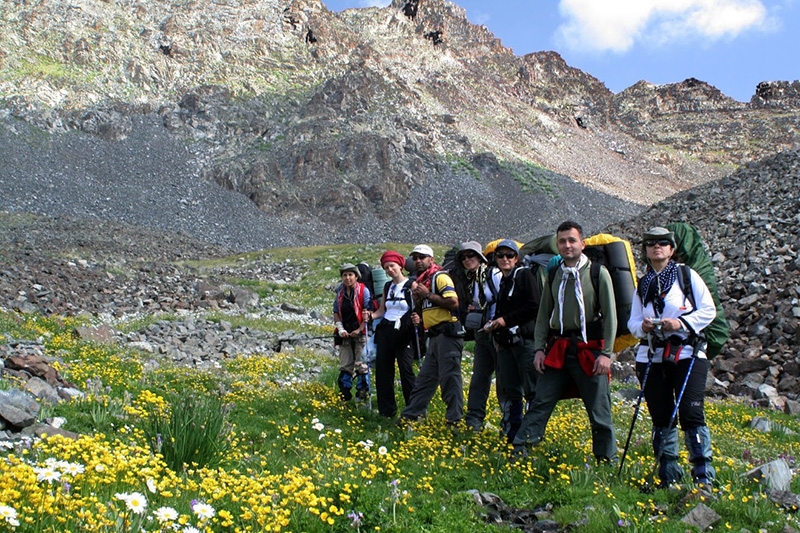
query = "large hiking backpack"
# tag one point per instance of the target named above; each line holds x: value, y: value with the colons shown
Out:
x: 488, y: 250
x: 616, y: 255
x: 692, y: 251
x: 538, y: 254
x: 449, y: 260
x: 365, y: 271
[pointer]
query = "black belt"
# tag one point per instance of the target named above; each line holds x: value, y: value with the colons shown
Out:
x: 660, y: 343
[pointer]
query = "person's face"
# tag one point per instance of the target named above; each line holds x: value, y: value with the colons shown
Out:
x: 349, y: 278
x: 570, y: 245
x: 421, y: 262
x: 659, y: 250
x: 470, y: 260
x: 506, y: 259
x: 392, y: 269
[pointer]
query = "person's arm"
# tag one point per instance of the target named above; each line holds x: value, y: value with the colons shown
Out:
x: 337, y: 318
x: 525, y: 306
x: 637, y: 317
x: 542, y: 330
x: 381, y: 310
x: 447, y: 297
x: 706, y: 309
x: 608, y: 307
x: 366, y: 309
x: 337, y: 322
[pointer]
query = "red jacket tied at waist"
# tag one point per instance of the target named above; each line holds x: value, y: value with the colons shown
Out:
x: 555, y: 357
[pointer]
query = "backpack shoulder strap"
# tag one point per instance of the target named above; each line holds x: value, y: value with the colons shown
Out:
x: 490, y: 282
x: 386, y: 288
x: 594, y: 271
x: 551, y: 274
x: 685, y: 282
x: 433, y: 281
x: 514, y: 280
x: 407, y: 293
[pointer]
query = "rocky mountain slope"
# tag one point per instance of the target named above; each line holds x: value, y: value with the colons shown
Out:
x: 749, y: 221
x: 399, y: 123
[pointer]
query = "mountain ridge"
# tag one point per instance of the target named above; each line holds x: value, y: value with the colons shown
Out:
x: 345, y: 125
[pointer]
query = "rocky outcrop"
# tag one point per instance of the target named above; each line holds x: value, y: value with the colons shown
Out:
x: 695, y: 117
x: 780, y: 94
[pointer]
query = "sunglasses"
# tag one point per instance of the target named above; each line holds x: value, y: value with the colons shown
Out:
x: 468, y: 256
x: 662, y: 242
x: 505, y: 255
x: 415, y: 257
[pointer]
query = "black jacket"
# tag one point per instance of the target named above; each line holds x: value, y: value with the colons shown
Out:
x: 518, y: 300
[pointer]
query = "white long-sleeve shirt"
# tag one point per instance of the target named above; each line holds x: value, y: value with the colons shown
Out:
x: 675, y: 305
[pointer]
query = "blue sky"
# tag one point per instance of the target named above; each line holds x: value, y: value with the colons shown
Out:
x: 731, y: 44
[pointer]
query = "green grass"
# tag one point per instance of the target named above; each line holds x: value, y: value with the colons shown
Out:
x: 531, y: 177
x: 315, y: 268
x: 460, y: 165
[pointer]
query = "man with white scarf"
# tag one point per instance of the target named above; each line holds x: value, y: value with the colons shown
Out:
x: 574, y: 341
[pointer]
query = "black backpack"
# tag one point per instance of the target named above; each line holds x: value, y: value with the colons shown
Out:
x: 365, y: 271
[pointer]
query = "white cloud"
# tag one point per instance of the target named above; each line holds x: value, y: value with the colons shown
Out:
x: 374, y: 3
x: 616, y: 25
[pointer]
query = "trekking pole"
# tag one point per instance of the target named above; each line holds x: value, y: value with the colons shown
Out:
x: 649, y: 479
x: 638, y: 402
x: 416, y: 338
x: 369, y: 358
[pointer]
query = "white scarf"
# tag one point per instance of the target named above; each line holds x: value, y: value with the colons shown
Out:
x: 566, y: 272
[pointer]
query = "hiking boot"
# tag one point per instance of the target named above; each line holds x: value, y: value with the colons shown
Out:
x: 345, y: 395
x: 699, y: 493
x: 518, y: 453
x: 362, y: 394
x: 455, y: 427
x: 475, y: 428
x: 404, y: 422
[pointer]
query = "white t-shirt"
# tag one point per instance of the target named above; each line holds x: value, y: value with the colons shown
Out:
x: 396, y: 303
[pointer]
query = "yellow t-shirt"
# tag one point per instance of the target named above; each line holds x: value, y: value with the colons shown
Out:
x: 433, y: 315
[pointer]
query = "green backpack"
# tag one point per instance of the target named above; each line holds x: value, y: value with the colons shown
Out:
x: 693, y: 252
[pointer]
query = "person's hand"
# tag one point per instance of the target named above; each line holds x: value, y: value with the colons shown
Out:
x: 647, y: 325
x: 670, y: 324
x: 602, y: 365
x: 343, y: 333
x: 415, y: 319
x: 538, y: 361
x: 420, y: 292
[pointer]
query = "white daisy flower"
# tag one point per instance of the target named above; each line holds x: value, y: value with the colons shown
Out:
x: 73, y: 469
x: 166, y: 514
x: 136, y: 502
x: 9, y: 514
x: 47, y: 473
x: 203, y: 510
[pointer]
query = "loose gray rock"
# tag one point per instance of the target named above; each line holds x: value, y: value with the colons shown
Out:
x: 702, y: 517
x: 18, y: 408
x: 775, y: 475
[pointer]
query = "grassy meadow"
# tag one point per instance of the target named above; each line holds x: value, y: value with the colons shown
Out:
x: 256, y: 445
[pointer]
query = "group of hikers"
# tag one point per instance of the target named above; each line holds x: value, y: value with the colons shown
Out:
x: 542, y: 333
